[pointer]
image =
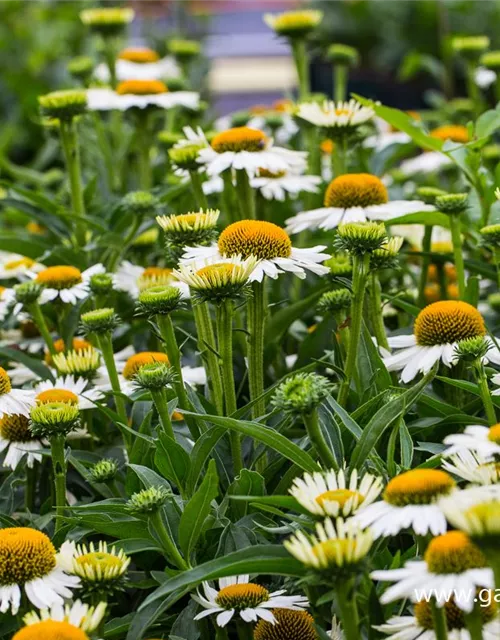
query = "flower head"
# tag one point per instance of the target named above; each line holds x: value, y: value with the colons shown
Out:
x: 453, y: 203
x: 343, y: 54
x: 331, y: 493
x: 18, y: 441
x: 13, y: 401
x: 135, y: 363
x: 289, y: 624
x: 184, y: 49
x: 361, y: 237
x: 471, y: 47
x: 453, y: 132
x: 107, y: 21
x: 66, y: 283
x: 100, y: 321
x: 148, y: 501
x: 29, y: 562
x: 83, y: 363
x: 336, y: 300
x: 63, y: 105
x: 294, y: 24
x: 338, y: 118
x: 100, y: 568
x: 75, y: 616
x: 301, y: 393
x: 104, y: 471
x: 54, y: 418
x: 159, y: 300
x: 155, y: 376
x: 249, y: 600
x: 190, y: 228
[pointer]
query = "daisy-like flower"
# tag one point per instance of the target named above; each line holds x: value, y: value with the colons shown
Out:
x: 277, y: 186
x: 216, y: 279
x: 293, y: 24
x: 409, y: 502
x: 8, y: 302
x: 475, y: 511
x: 17, y: 440
x: 66, y: 283
x: 289, y: 624
x: 472, y: 466
x: 483, y: 440
x: 337, y: 117
x: 267, y: 242
x: 238, y: 596
x: 243, y: 148
x: 14, y: 265
x: 330, y: 493
x: 452, y: 563
x: 354, y: 197
x: 14, y: 401
x: 68, y: 389
x: 133, y: 279
x: 139, y: 63
x: 420, y: 626
x: 128, y: 364
x: 335, y: 545
x: 190, y: 228
x: 76, y: 615
x: 436, y: 332
x: 97, y: 566
x: 140, y: 94
x: 29, y: 563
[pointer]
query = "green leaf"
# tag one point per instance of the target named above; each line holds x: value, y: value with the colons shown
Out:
x: 487, y: 123
x: 268, y: 436
x: 197, y: 510
x: 403, y: 122
x: 37, y: 366
x: 431, y: 218
x: 172, y: 461
x: 248, y: 483
x: 260, y: 559
x: 372, y: 372
x: 280, y: 322
x: 200, y: 453
x: 284, y: 502
x: 383, y: 419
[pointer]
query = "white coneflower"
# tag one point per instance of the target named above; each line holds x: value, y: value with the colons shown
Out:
x: 79, y: 615
x: 65, y: 283
x: 250, y: 601
x: 31, y: 565
x: 17, y: 441
x: 140, y: 94
x: 337, y: 117
x: 14, y: 265
x: 14, y: 401
x: 133, y: 279
x: 266, y: 242
x: 139, y: 63
x: 409, y: 502
x: 331, y: 493
x: 67, y: 389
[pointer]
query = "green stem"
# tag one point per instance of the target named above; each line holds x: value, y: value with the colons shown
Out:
x: 482, y: 381
x: 206, y: 345
x: 246, y: 195
x: 339, y: 157
x: 107, y: 152
x: 340, y: 73
x: 69, y: 140
x: 313, y: 428
x: 144, y: 141
x: 439, y: 618
x: 59, y: 467
x: 220, y: 633
x: 299, y: 51
x: 39, y: 319
x: 376, y: 311
x: 310, y: 134
x: 348, y: 611
x: 110, y: 50
x: 472, y: 88
x: 30, y: 492
x: 161, y: 403
x: 458, y: 255
x: 361, y: 265
x: 227, y: 198
x: 172, y: 552
x: 199, y: 195
x: 256, y: 319
x: 167, y: 332
x: 426, y: 260
x: 225, y: 343
x: 106, y: 347
x: 244, y: 630
x: 475, y: 624
x: 496, y: 257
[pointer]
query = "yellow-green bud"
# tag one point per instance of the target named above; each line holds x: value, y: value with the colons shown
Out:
x: 108, y: 21
x: 343, y: 54
x: 186, y: 157
x: 184, y: 49
x: 159, y: 300
x: 101, y: 284
x: 453, y: 203
x: 472, y: 349
x: 491, y: 235
x: 360, y: 237
x: 429, y: 194
x: 81, y: 68
x: 470, y: 47
x: 28, y: 292
x: 63, y: 105
x: 100, y: 321
x: 491, y: 60
x: 168, y: 138
x: 337, y: 300
x: 140, y: 202
x: 301, y: 393
x: 104, y: 471
x: 155, y: 376
x: 148, y: 501
x: 53, y: 418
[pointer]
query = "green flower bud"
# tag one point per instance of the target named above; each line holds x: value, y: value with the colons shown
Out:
x: 491, y: 153
x: 155, y: 376
x: 429, y: 194
x: 159, y: 300
x: 176, y: 84
x: 337, y: 300
x: 140, y: 202
x: 104, y: 471
x: 491, y: 60
x: 54, y: 418
x: 186, y: 157
x: 28, y: 292
x: 386, y: 257
x: 470, y: 47
x: 343, y: 54
x: 494, y: 301
x: 294, y: 24
x: 184, y: 49
x: 301, y: 393
x: 453, y: 203
x: 146, y: 238
x: 491, y: 235
x: 274, y: 121
x: 63, y: 105
x: 168, y: 139
x: 360, y: 237
x: 81, y: 68
x: 101, y: 284
x: 240, y: 118
x: 100, y: 321
x: 82, y: 364
x: 190, y: 229
x: 340, y: 264
x: 472, y: 349
x: 148, y: 501
x: 460, y: 106
x: 109, y: 21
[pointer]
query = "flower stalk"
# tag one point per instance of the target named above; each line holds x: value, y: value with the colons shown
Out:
x: 299, y: 50
x: 198, y: 193
x: 375, y: 298
x: 348, y: 610
x: 166, y: 541
x: 439, y: 619
x: 59, y: 470
x: 246, y: 195
x: 426, y: 261
x: 69, y: 140
x: 458, y: 255
x: 207, y: 347
x: 256, y: 320
x: 311, y: 420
